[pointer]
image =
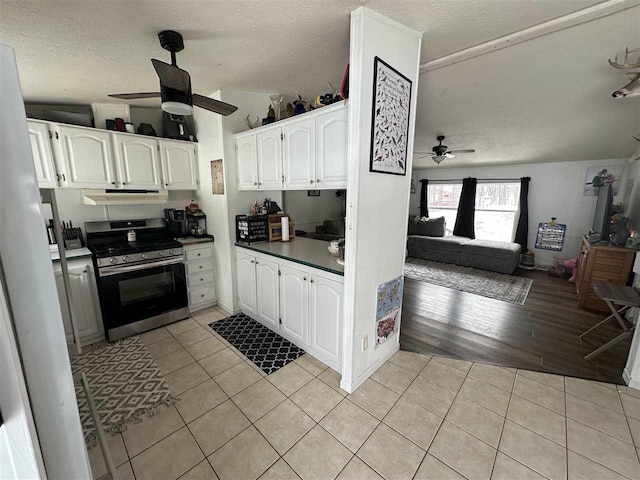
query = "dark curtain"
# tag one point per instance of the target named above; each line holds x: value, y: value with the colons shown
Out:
x: 466, y: 209
x: 522, y: 232
x: 424, y: 200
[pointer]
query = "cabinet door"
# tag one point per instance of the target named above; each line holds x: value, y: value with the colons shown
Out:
x: 332, y: 146
x: 247, y: 283
x: 87, y: 156
x: 86, y: 306
x: 294, y: 303
x: 269, y: 146
x: 138, y: 162
x: 268, y: 298
x: 299, y: 155
x: 247, y: 158
x: 42, y: 156
x: 326, y: 317
x: 179, y: 165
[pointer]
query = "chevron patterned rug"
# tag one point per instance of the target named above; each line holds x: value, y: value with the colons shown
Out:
x: 126, y: 385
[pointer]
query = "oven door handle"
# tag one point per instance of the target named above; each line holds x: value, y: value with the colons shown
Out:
x: 115, y: 270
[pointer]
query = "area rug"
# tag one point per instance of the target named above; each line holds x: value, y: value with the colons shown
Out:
x: 125, y: 383
x: 499, y: 286
x: 265, y: 348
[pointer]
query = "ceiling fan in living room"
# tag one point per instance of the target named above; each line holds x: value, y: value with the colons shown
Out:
x: 440, y: 152
x: 175, y: 84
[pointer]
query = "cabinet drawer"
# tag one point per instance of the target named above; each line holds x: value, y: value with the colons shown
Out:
x: 193, y: 281
x: 202, y: 295
x: 199, y: 254
x: 199, y: 267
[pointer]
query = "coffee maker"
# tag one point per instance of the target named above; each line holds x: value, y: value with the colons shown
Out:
x: 176, y: 222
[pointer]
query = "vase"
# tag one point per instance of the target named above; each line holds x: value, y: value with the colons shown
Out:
x: 276, y: 100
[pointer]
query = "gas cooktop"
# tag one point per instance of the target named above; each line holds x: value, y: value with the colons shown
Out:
x: 109, y: 247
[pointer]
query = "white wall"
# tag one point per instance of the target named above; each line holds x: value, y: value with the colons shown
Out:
x: 215, y: 135
x: 71, y: 208
x: 378, y: 204
x: 556, y: 190
x: 308, y: 212
x: 633, y: 210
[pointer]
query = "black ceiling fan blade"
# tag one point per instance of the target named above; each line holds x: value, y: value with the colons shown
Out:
x: 469, y: 150
x: 213, y: 105
x: 132, y: 96
x: 172, y: 76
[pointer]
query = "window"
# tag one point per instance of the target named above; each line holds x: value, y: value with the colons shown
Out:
x: 443, y: 201
x: 496, y: 207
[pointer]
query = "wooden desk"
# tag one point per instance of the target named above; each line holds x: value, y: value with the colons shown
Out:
x: 601, y: 262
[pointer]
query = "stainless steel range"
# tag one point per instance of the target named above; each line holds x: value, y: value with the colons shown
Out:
x: 140, y: 275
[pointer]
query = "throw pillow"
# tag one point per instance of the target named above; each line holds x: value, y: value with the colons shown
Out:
x: 432, y: 227
x: 413, y: 225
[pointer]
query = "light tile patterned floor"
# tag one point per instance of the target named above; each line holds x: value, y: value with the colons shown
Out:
x: 416, y: 417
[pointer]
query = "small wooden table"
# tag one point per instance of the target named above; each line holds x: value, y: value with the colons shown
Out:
x: 626, y: 298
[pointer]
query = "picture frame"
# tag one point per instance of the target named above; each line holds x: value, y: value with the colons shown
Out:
x: 313, y: 193
x: 390, y: 111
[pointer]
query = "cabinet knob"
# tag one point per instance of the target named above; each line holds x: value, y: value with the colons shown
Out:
x: 202, y: 295
x: 202, y: 279
x: 312, y: 280
x: 304, y: 278
x: 113, y: 183
x: 124, y: 183
x: 310, y: 181
x: 166, y: 184
x: 199, y: 254
x: 256, y: 262
x: 252, y: 261
x: 255, y: 183
x: 200, y: 267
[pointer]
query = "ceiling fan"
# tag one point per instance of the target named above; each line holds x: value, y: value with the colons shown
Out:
x: 440, y: 152
x: 175, y: 84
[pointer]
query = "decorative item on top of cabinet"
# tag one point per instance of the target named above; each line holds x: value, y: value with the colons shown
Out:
x: 601, y: 262
x: 200, y: 275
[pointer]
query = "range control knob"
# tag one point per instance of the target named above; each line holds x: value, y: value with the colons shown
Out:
x: 143, y: 256
x: 113, y: 260
x: 161, y: 253
x: 125, y: 258
x: 172, y: 252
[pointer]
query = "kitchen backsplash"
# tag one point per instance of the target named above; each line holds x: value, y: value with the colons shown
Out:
x: 70, y: 207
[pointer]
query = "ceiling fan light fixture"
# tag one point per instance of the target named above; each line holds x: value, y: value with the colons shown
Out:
x: 439, y: 158
x: 177, y: 108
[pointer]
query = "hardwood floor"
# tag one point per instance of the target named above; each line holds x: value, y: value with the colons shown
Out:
x: 543, y: 334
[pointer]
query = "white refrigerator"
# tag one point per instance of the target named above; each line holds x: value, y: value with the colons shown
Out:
x: 40, y: 431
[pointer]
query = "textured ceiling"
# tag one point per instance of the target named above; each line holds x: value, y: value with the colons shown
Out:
x: 548, y: 99
x: 72, y: 51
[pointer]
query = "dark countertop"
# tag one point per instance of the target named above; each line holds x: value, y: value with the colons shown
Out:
x: 305, y: 251
x: 195, y: 240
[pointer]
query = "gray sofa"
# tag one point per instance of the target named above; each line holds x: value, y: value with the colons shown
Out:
x: 502, y: 257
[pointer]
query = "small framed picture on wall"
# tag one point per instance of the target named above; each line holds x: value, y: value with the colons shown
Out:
x: 313, y: 193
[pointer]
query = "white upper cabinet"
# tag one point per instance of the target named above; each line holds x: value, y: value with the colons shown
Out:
x: 332, y: 132
x: 247, y: 158
x: 267, y: 292
x: 87, y: 155
x: 294, y: 303
x: 246, y: 268
x: 269, y: 147
x: 138, y: 162
x: 326, y: 315
x: 179, y: 165
x: 42, y: 155
x: 309, y: 152
x: 299, y: 154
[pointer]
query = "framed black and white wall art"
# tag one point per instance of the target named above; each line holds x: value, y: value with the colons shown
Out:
x: 389, y: 119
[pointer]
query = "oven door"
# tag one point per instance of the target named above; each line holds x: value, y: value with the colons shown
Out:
x: 130, y: 293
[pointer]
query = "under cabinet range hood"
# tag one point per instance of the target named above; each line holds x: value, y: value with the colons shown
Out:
x: 124, y: 197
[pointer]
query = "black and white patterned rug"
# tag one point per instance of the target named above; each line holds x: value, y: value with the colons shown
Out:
x: 268, y: 350
x: 126, y: 385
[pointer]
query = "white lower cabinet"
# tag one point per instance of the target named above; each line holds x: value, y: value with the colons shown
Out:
x: 326, y: 317
x: 303, y: 304
x: 201, y: 278
x: 246, y: 270
x: 84, y: 296
x: 268, y: 298
x: 294, y: 303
